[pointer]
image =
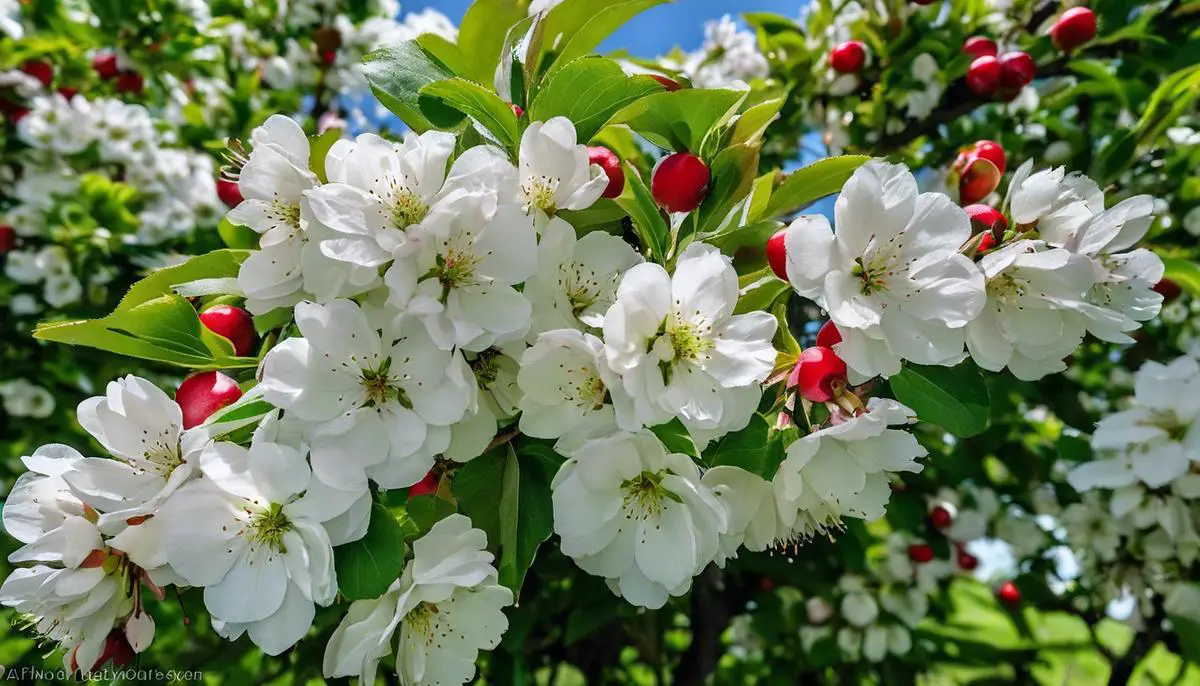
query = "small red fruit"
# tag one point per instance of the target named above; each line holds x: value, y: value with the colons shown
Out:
x: 940, y: 517
x: 985, y: 218
x: 41, y: 70
x: 986, y: 243
x: 229, y: 192
x: 848, y: 57
x: 426, y: 486
x: 611, y: 164
x: 983, y: 76
x: 203, y: 393
x: 670, y: 84
x: 966, y: 561
x: 992, y: 152
x: 8, y: 238
x: 777, y: 255
x: 829, y: 336
x: 766, y: 584
x: 105, y: 65
x: 233, y: 323
x: 328, y: 57
x: 818, y: 374
x: 130, y: 82
x: 1008, y: 593
x: 680, y: 182
x: 1167, y: 288
x: 1075, y: 27
x: 980, y: 46
x: 1016, y: 70
x: 920, y: 553
x: 517, y: 109
x: 68, y: 92
x: 977, y: 178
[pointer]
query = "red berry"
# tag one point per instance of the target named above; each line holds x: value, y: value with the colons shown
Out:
x: 203, y: 393
x: 68, y: 92
x: 940, y: 517
x: 966, y: 561
x: 229, y: 192
x: 766, y: 584
x: 829, y: 336
x: 130, y: 82
x: 777, y: 254
x: 233, y: 323
x: 992, y: 152
x: 977, y: 178
x: 517, y: 109
x: 680, y: 182
x: 983, y: 76
x: 1075, y: 27
x: 1167, y: 288
x: 1016, y: 70
x: 848, y: 57
x: 426, y: 486
x: 986, y: 243
x: 670, y: 84
x: 8, y: 238
x: 818, y: 374
x: 1008, y: 593
x: 105, y: 65
x: 920, y: 552
x: 41, y: 70
x: 980, y: 46
x: 611, y: 164
x: 984, y: 218
x: 328, y: 57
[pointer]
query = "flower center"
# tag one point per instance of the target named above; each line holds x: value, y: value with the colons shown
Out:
x: 420, y: 619
x: 644, y: 495
x: 456, y: 269
x: 1005, y: 288
x: 288, y: 213
x: 582, y: 289
x: 687, y: 342
x: 267, y: 527
x: 539, y: 191
x: 408, y: 208
x: 486, y: 367
x: 381, y: 387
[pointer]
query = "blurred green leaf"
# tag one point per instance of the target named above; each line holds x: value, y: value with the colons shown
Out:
x: 954, y: 398
x: 367, y: 567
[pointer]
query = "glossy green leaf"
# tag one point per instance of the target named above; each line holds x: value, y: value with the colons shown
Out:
x: 954, y: 398
x: 477, y: 102
x: 574, y: 28
x: 589, y: 91
x: 809, y: 184
x: 750, y: 449
x: 1185, y: 274
x: 397, y: 74
x: 648, y: 222
x: 367, y: 567
x: 214, y: 265
x: 481, y: 35
x: 680, y: 120
x: 675, y: 438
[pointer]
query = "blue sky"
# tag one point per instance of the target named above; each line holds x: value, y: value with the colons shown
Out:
x: 656, y: 30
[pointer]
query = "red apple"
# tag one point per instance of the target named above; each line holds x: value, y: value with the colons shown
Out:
x: 8, y: 238
x: 1075, y: 27
x: 941, y: 517
x: 966, y: 561
x: 611, y: 164
x: 105, y: 65
x: 1008, y: 593
x: 1016, y: 70
x: 992, y: 152
x: 920, y: 553
x: 983, y: 76
x: 233, y: 323
x: 41, y: 70
x: 229, y: 192
x: 848, y: 57
x: 203, y: 393
x: 828, y: 335
x: 818, y: 374
x: 980, y: 46
x: 680, y: 182
x: 130, y: 82
x: 777, y: 254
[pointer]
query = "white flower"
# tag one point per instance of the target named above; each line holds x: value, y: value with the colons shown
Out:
x: 57, y: 125
x: 555, y: 173
x: 677, y: 344
x: 628, y: 511
x: 842, y: 471
x: 576, y: 280
x: 500, y: 396
x: 750, y: 501
x: 729, y: 56
x: 247, y: 536
x: 70, y: 595
x: 1031, y: 321
x: 379, y: 401
x: 23, y: 399
x: 891, y: 277
x: 467, y: 298
x: 568, y: 389
x: 445, y: 608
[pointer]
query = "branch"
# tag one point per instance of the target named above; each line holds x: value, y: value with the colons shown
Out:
x: 710, y: 616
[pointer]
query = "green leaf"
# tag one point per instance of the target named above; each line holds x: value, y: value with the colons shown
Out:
x: 506, y: 492
x: 482, y: 32
x: 589, y: 91
x: 213, y: 265
x: 397, y: 74
x: 752, y: 123
x: 164, y: 329
x: 1185, y: 274
x: 750, y: 449
x: 475, y: 101
x: 809, y: 184
x: 367, y: 567
x: 574, y: 28
x: 680, y: 120
x: 427, y: 510
x: 447, y: 53
x: 761, y: 293
x: 675, y: 438
x: 733, y: 173
x: 954, y: 398
x: 648, y: 223
x: 318, y: 147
